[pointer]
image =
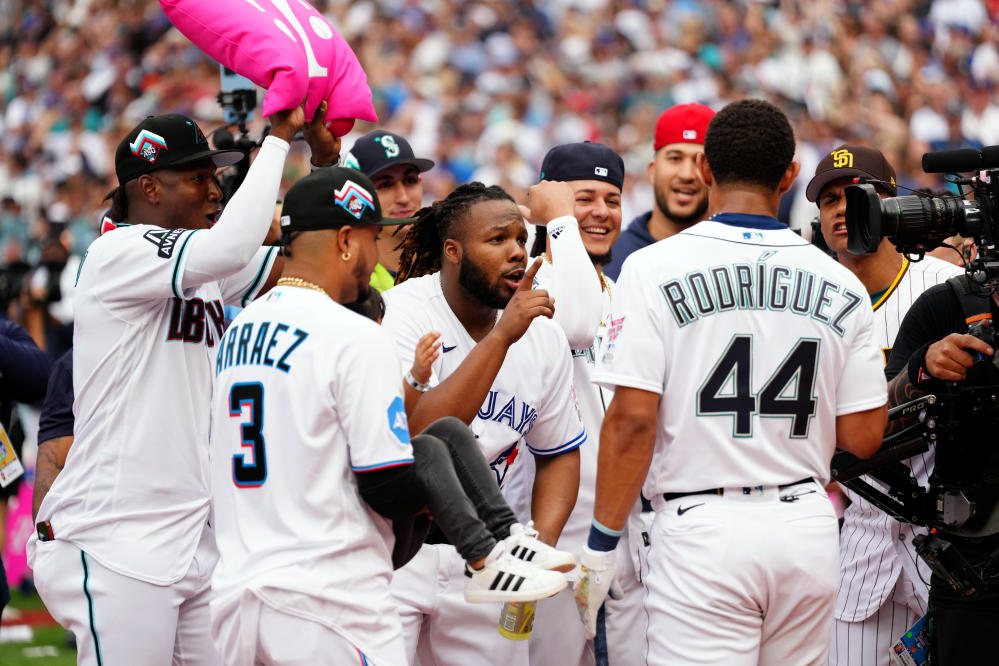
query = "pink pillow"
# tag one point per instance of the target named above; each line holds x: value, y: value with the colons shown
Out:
x: 284, y: 46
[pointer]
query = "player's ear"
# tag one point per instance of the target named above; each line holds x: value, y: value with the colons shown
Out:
x: 705, y: 169
x: 149, y: 188
x: 452, y: 251
x: 345, y: 239
x: 789, y: 175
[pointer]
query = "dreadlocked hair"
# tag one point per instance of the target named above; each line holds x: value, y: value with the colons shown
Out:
x: 424, y: 244
x: 118, y: 212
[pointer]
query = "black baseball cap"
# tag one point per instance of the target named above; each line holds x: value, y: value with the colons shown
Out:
x: 378, y: 150
x: 583, y: 161
x: 165, y: 141
x: 851, y: 160
x: 330, y: 198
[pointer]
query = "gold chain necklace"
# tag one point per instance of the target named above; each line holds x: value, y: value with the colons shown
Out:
x: 304, y: 284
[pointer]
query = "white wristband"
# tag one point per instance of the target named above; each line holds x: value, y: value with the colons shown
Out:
x: 418, y: 385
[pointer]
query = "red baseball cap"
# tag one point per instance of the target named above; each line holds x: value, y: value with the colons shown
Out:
x: 683, y: 123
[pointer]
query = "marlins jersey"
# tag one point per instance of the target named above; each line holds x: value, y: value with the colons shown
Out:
x: 756, y: 342
x: 875, y: 548
x: 307, y: 394
x: 134, y: 492
x: 531, y: 397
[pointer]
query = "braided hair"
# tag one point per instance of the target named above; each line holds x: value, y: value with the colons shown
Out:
x: 118, y: 212
x: 424, y: 244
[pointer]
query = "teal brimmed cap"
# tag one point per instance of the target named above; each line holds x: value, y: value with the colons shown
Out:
x: 330, y: 198
x: 583, y: 161
x: 168, y: 140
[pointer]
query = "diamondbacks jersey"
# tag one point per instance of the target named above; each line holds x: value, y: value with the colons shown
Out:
x: 875, y: 548
x: 134, y: 491
x: 307, y: 394
x: 756, y: 342
x: 531, y: 398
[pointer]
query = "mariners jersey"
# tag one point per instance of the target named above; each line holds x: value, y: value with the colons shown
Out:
x: 307, y: 394
x: 756, y: 342
x: 134, y: 491
x: 875, y: 548
x: 531, y: 398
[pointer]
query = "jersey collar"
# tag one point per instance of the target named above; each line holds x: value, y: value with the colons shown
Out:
x: 749, y: 221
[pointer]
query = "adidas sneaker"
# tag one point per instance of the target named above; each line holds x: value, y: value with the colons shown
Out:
x: 523, y: 543
x: 506, y: 578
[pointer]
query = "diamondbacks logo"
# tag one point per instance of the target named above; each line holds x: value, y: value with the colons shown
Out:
x: 148, y: 145
x: 166, y: 241
x: 842, y: 159
x: 354, y: 199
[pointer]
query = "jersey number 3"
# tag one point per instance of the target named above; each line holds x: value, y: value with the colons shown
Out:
x: 249, y: 397
x: 787, y: 394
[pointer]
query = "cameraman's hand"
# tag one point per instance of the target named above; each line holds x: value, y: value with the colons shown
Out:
x: 948, y: 359
x: 526, y: 304
x: 285, y: 124
x: 548, y: 200
x: 325, y: 146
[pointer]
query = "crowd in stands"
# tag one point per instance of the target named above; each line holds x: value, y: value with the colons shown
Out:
x: 485, y: 88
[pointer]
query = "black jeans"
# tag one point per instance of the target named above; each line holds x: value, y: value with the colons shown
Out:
x: 462, y: 493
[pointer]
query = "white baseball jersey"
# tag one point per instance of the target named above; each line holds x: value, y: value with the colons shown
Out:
x: 307, y: 394
x: 531, y: 397
x: 134, y: 492
x: 875, y: 548
x: 742, y: 410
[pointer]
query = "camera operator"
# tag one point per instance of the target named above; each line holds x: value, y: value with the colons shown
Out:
x: 881, y: 590
x: 932, y: 350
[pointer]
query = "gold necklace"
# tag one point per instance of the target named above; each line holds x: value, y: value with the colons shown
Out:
x: 304, y: 284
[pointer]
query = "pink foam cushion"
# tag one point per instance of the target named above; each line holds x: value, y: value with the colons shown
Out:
x: 284, y: 46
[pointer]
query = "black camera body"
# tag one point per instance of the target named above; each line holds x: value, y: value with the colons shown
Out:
x: 916, y: 224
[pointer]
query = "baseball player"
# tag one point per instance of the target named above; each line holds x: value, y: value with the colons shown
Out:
x: 583, y: 215
x: 883, y: 583
x: 388, y: 160
x: 125, y: 523
x: 680, y: 196
x: 500, y: 370
x: 743, y: 358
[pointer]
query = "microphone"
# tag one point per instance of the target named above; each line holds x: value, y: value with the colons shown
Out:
x: 961, y: 160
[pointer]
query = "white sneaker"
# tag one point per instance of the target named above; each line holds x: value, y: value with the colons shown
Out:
x: 523, y: 543
x: 505, y: 578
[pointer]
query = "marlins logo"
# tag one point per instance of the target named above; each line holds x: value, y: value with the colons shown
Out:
x: 353, y: 198
x: 148, y: 145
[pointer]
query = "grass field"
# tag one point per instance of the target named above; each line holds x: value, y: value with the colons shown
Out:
x: 47, y: 646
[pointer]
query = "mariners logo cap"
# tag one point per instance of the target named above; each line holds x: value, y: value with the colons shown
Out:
x: 378, y: 150
x: 583, y: 161
x: 683, y: 123
x: 851, y: 160
x: 330, y: 198
x: 165, y: 141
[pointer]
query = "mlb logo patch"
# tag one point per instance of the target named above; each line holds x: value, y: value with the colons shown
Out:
x: 752, y: 235
x: 354, y: 199
x: 690, y: 135
x: 147, y: 145
x: 600, y: 171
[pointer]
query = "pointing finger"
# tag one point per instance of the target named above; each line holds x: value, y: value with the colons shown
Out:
x: 527, y: 282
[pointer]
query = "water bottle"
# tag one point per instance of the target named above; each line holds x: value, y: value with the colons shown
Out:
x: 516, y: 620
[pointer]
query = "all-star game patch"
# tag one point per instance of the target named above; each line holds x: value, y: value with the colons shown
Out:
x: 354, y: 199
x: 148, y: 145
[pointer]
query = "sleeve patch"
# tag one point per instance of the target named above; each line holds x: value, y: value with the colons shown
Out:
x: 165, y: 240
x: 397, y: 420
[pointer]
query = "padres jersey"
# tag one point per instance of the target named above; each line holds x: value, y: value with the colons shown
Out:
x: 875, y: 548
x: 134, y: 491
x: 307, y: 394
x: 756, y: 342
x: 531, y: 398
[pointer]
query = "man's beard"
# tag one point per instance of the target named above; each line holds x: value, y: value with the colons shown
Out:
x: 477, y: 284
x: 600, y: 259
x: 662, y: 202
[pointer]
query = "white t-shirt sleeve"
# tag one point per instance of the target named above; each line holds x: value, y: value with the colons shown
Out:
x: 367, y: 387
x: 634, y: 352
x: 406, y: 327
x: 862, y: 385
x: 243, y: 286
x: 558, y: 428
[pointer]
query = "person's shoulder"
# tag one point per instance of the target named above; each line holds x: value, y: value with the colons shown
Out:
x: 931, y: 265
x: 419, y: 288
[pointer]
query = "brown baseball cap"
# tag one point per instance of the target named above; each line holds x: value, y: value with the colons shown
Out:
x: 852, y: 160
